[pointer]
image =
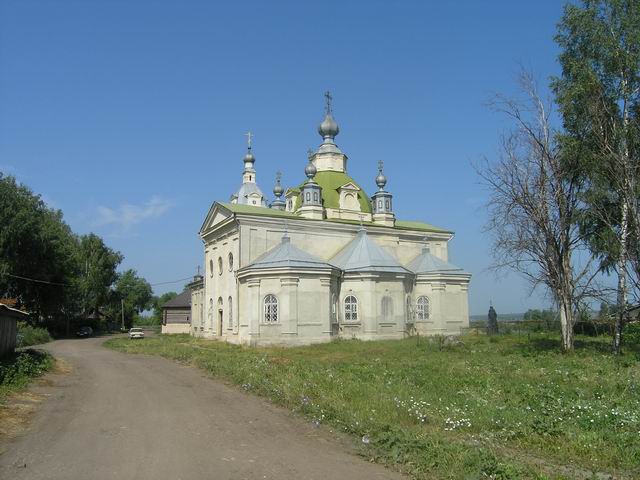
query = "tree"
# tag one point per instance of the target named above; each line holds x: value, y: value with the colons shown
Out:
x: 157, y: 305
x: 131, y: 292
x: 98, y: 265
x: 533, y: 205
x: 599, y: 98
x: 37, y: 256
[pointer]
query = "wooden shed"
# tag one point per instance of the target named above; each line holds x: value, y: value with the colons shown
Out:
x: 176, y: 314
x: 9, y: 328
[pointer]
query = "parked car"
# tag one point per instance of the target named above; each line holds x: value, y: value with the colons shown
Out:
x: 136, y: 332
x: 84, y: 332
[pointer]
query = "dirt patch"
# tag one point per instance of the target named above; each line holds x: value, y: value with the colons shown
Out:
x: 18, y: 408
x: 16, y: 413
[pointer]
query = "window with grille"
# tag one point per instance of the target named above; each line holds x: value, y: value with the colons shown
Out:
x: 351, y: 309
x: 270, y: 309
x: 422, y: 308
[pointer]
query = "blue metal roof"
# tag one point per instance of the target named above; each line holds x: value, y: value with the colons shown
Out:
x: 364, y: 255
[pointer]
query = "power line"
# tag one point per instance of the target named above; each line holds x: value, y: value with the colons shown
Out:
x: 38, y: 281
x: 172, y: 281
x: 68, y: 285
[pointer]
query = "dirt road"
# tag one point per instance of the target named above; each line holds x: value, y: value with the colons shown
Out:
x: 119, y: 416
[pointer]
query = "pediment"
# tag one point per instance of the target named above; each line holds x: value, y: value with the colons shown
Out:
x: 217, y: 214
x: 349, y: 186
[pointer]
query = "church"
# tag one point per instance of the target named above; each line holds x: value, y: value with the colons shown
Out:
x: 323, y: 260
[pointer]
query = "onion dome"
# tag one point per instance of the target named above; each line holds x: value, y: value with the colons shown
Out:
x: 278, y: 190
x: 249, y: 158
x: 328, y: 129
x: 310, y: 170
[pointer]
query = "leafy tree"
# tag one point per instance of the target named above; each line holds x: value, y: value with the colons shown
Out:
x: 133, y: 294
x: 36, y: 243
x: 157, y: 305
x: 98, y: 265
x: 599, y: 98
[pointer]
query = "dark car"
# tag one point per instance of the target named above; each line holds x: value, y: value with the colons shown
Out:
x: 84, y: 332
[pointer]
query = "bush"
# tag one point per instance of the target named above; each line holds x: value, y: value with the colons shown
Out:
x: 632, y: 333
x: 16, y: 370
x: 28, y: 335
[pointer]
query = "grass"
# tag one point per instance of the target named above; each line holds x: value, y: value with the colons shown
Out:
x: 501, y: 407
x: 17, y: 370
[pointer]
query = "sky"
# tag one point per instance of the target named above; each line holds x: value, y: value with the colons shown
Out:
x: 130, y: 115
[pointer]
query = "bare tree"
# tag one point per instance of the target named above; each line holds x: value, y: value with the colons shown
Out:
x: 533, y: 207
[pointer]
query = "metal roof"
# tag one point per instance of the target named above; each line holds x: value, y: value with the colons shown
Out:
x: 183, y: 300
x: 246, y: 189
x: 271, y: 212
x: 364, y: 255
x: 426, y: 262
x: 286, y: 255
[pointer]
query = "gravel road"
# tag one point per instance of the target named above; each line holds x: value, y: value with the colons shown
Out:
x: 119, y: 416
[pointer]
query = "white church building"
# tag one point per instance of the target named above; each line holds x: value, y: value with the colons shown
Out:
x: 324, y: 262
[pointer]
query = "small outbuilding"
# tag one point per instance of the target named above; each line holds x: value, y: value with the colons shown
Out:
x: 176, y: 314
x: 9, y: 328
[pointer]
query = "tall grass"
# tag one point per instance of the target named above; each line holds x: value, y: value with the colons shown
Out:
x: 28, y: 335
x: 499, y: 407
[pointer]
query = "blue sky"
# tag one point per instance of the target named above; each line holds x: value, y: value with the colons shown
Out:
x: 130, y: 115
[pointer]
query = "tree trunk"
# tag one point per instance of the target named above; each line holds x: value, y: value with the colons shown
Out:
x: 566, y: 324
x: 622, y: 281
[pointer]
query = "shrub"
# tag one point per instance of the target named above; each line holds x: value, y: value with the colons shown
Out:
x: 28, y: 335
x: 16, y: 370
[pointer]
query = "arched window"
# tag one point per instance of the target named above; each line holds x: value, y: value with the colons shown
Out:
x: 387, y: 307
x: 422, y: 308
x: 387, y: 204
x: 351, y: 309
x: 379, y: 205
x: 315, y: 196
x: 230, y: 312
x: 231, y: 262
x: 308, y: 199
x: 211, y: 268
x: 219, y: 265
x: 210, y: 314
x: 270, y: 309
x: 219, y: 303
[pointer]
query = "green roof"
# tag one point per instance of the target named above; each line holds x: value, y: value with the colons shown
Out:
x: 330, y: 183
x: 270, y: 212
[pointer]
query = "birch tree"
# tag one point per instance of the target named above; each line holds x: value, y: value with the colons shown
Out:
x: 533, y: 206
x: 599, y: 98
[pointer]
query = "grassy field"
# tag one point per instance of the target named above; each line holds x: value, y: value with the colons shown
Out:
x: 501, y: 407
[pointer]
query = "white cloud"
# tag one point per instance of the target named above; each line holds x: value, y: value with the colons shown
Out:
x: 128, y: 215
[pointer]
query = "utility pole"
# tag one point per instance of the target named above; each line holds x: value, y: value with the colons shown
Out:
x: 122, y: 310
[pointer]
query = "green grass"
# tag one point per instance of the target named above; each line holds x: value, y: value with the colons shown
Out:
x: 17, y: 370
x: 500, y: 407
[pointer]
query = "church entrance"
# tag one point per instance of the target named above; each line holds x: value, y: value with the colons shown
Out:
x: 220, y: 322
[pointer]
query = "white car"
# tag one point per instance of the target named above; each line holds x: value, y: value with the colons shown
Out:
x: 136, y: 333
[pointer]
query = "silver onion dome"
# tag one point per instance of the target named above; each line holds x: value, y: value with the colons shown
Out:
x: 249, y: 158
x: 328, y: 128
x: 310, y: 170
x: 278, y: 190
